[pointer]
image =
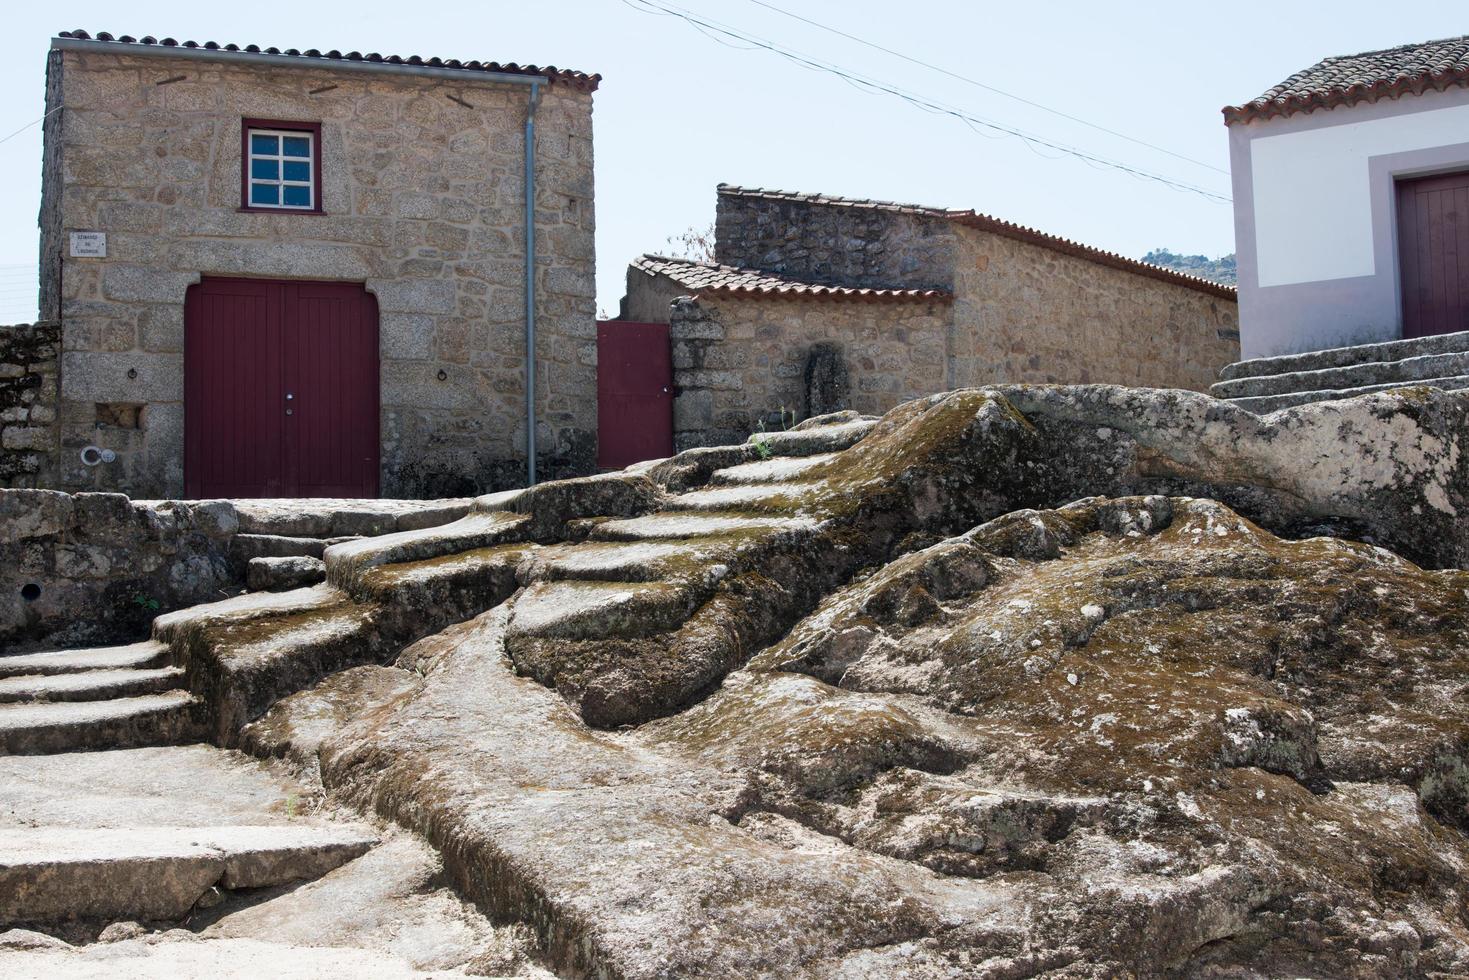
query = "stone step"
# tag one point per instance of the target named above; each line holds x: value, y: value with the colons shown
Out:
x: 249, y: 546
x: 150, y: 957
x: 628, y: 561
x: 347, y: 563
x: 754, y: 498
x: 133, y: 656
x: 91, y: 685
x: 1404, y: 371
x: 151, y: 873
x: 689, y: 524
x: 1265, y: 404
x: 274, y: 574
x: 72, y: 726
x: 1392, y: 350
x: 328, y: 518
x: 241, y: 609
x: 593, y: 610
x: 819, y: 439
x: 775, y: 469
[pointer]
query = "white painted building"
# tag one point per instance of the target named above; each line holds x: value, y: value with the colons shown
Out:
x: 1351, y: 201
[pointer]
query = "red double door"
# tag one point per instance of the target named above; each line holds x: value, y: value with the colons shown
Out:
x: 280, y: 389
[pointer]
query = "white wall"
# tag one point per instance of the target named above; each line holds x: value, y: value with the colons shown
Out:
x: 1313, y: 198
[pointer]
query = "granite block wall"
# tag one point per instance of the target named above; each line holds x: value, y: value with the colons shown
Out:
x: 423, y: 194
x: 739, y: 362
x: 28, y: 389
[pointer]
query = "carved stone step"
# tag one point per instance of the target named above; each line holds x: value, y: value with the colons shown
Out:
x: 90, y: 685
x: 72, y: 726
x: 49, y: 874
x: 134, y: 655
x: 1393, y: 350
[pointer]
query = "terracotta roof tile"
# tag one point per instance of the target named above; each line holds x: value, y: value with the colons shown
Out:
x: 577, y: 79
x: 997, y: 226
x: 708, y: 277
x: 1366, y: 77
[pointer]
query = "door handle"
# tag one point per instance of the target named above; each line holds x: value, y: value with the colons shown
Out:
x: 290, y: 397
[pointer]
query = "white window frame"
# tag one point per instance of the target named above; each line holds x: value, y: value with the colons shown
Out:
x: 280, y: 158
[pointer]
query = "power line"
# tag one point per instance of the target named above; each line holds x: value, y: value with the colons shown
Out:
x: 988, y: 88
x: 704, y: 26
x: 29, y: 125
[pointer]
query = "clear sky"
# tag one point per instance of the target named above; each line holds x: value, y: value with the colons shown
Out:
x: 677, y: 112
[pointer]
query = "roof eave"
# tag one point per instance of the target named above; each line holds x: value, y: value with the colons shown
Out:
x: 310, y: 63
x: 1390, y: 89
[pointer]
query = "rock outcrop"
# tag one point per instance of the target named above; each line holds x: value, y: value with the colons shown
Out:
x: 1013, y: 681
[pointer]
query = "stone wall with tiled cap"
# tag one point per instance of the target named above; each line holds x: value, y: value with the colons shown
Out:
x: 28, y: 431
x: 831, y: 241
x: 422, y: 185
x: 739, y: 362
x: 1027, y: 313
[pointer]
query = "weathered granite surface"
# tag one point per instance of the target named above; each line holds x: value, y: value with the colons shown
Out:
x: 1013, y: 681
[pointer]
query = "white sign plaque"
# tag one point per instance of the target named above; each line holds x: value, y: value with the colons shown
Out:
x: 89, y: 244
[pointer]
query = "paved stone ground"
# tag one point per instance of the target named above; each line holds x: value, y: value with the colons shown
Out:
x: 385, y: 914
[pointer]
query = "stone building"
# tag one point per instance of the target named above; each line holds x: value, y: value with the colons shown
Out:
x: 910, y: 300
x: 304, y: 273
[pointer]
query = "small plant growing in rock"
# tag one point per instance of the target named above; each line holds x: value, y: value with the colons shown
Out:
x: 762, y: 444
x: 146, y: 602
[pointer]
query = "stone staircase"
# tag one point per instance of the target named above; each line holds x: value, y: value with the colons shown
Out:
x: 113, y: 697
x: 210, y: 669
x: 1268, y: 384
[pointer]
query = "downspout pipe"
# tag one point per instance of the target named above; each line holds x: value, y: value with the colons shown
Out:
x: 530, y: 284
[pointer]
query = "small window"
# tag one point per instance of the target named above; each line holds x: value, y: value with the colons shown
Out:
x: 282, y: 166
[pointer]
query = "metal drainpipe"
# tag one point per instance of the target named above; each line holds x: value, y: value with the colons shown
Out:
x: 530, y: 285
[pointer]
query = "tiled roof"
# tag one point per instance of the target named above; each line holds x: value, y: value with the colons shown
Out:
x: 1367, y: 77
x: 997, y: 226
x: 577, y: 79
x: 706, y: 277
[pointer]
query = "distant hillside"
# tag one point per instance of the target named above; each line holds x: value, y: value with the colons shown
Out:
x: 1221, y: 270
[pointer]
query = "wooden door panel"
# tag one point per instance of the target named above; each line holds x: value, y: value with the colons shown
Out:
x: 251, y: 343
x: 232, y: 430
x: 332, y: 376
x: 1433, y: 253
x: 634, y: 393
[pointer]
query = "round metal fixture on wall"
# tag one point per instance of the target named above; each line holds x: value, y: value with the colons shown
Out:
x: 96, y: 455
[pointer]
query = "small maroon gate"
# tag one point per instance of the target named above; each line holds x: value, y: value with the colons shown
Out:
x: 280, y: 389
x: 634, y: 393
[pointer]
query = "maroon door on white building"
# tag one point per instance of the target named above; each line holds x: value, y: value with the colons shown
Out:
x: 1433, y: 253
x: 280, y: 389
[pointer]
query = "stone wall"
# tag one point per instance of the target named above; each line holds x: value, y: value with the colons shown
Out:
x: 739, y: 361
x: 97, y: 567
x: 880, y: 246
x: 28, y: 387
x: 422, y: 185
x: 93, y: 568
x: 1027, y: 313
x: 648, y: 296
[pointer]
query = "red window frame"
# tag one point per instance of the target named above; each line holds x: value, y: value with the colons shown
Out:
x: 318, y: 192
